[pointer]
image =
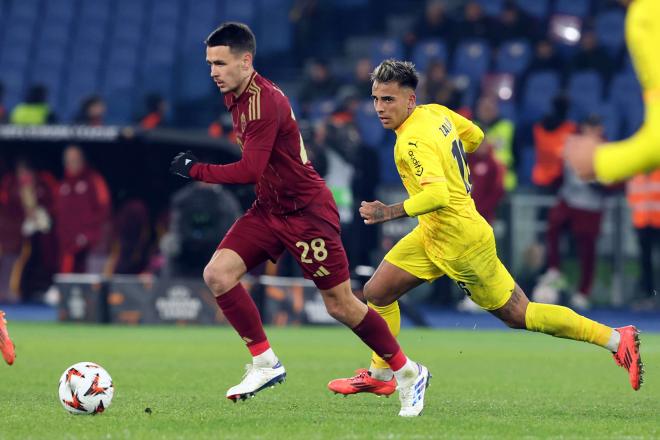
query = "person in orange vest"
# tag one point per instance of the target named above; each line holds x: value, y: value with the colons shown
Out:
x: 550, y: 136
x: 643, y: 193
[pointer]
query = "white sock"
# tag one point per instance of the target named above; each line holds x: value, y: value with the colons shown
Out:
x: 381, y: 373
x: 613, y: 344
x: 407, y: 373
x: 265, y: 359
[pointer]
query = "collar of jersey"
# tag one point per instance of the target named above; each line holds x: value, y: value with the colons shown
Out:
x: 243, y: 96
x: 402, y: 127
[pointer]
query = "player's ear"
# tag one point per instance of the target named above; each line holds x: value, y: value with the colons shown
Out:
x: 246, y: 61
x: 412, y: 99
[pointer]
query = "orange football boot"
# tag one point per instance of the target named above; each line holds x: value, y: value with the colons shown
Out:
x: 362, y: 382
x: 627, y: 355
x: 6, y: 345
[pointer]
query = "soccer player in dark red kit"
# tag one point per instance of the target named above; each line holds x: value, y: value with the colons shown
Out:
x: 294, y: 210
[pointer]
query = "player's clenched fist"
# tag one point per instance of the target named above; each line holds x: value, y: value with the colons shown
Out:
x: 182, y: 163
x: 374, y: 212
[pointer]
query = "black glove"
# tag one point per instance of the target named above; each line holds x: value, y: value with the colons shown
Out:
x: 182, y: 163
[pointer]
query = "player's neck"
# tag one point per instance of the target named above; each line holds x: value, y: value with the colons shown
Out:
x: 244, y: 83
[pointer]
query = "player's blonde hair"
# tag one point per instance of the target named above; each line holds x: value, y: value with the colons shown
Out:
x: 401, y: 72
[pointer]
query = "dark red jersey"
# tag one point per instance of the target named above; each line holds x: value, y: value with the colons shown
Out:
x: 274, y: 156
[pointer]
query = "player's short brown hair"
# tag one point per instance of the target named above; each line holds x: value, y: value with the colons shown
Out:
x: 238, y: 36
x: 402, y: 72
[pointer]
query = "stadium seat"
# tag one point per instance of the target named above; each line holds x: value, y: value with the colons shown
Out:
x: 622, y: 86
x: 165, y: 10
x: 535, y: 8
x: 18, y: 33
x: 127, y: 32
x: 192, y: 78
x: 54, y: 33
x: 611, y: 121
x: 383, y: 48
x: 80, y: 85
x: 491, y: 7
x: 539, y: 90
x: 129, y: 10
x: 513, y: 57
x: 273, y: 22
x: 429, y: 50
x: 14, y: 83
x: 586, y: 92
x: 472, y: 59
x: 121, y: 105
x: 26, y: 10
x: 244, y: 11
x: 85, y: 57
x: 577, y: 8
x: 609, y: 27
x: 508, y: 110
x: 96, y: 11
x: 525, y: 165
x: 123, y: 55
x: 368, y: 124
x: 60, y: 11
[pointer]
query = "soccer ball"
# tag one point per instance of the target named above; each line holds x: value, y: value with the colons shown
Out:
x: 86, y: 388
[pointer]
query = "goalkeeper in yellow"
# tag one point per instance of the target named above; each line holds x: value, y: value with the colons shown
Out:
x: 639, y: 153
x: 452, y: 238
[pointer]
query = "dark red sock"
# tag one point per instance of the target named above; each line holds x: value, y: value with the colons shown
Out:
x: 374, y: 332
x: 241, y: 312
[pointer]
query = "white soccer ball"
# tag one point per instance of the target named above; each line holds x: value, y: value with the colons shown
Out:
x: 86, y: 388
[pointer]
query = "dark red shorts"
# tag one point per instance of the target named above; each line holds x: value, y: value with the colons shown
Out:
x: 312, y: 236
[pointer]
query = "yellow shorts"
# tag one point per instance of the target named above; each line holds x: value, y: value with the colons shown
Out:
x: 479, y: 273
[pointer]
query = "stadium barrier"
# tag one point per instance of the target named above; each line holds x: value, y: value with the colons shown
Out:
x: 147, y: 299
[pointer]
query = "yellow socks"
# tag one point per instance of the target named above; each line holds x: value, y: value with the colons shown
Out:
x: 392, y: 316
x: 563, y: 322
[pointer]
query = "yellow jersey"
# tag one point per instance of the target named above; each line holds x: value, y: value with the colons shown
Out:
x: 641, y: 152
x: 430, y: 149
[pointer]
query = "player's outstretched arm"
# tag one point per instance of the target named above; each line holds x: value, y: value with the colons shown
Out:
x: 434, y: 197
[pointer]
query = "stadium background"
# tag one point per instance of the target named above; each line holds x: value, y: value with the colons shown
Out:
x: 143, y: 60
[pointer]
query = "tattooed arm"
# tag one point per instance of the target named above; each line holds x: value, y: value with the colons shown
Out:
x: 378, y: 212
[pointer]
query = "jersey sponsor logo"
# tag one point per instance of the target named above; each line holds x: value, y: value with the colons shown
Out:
x: 445, y: 128
x: 417, y: 165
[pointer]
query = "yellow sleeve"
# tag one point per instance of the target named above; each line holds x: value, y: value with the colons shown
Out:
x: 468, y: 132
x: 426, y: 168
x: 617, y: 161
x: 641, y: 152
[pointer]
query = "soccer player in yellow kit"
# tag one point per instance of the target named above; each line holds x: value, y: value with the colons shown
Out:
x: 452, y: 238
x: 615, y: 161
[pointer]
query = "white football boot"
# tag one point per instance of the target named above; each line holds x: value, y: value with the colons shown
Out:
x: 411, y: 392
x: 256, y: 379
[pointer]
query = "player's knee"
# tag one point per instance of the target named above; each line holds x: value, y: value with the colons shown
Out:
x: 374, y: 296
x: 515, y: 321
x: 337, y: 310
x: 217, y: 280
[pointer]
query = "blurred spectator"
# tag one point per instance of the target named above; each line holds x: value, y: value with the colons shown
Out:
x: 499, y: 134
x: 580, y: 207
x: 433, y: 23
x: 3, y: 110
x: 487, y: 176
x: 545, y: 57
x: 82, y: 210
x: 362, y: 78
x: 438, y: 87
x: 91, y: 112
x: 35, y: 110
x: 130, y: 242
x: 200, y: 213
x: 512, y: 23
x: 156, y: 107
x: 549, y: 138
x: 644, y: 199
x: 591, y: 56
x: 223, y: 127
x: 27, y: 202
x: 312, y: 21
x: 473, y: 23
x: 318, y: 84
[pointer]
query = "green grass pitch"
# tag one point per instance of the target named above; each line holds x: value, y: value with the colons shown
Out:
x: 486, y: 384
